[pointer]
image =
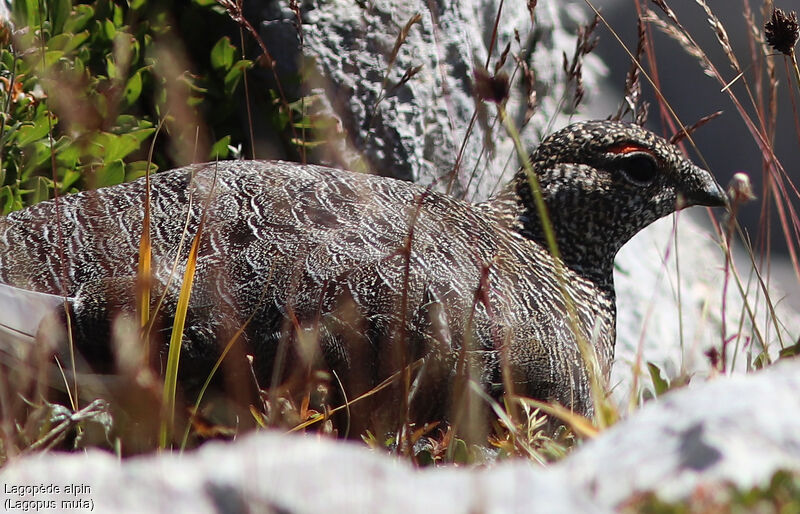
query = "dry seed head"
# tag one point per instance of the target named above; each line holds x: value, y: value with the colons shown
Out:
x: 491, y: 88
x: 740, y: 190
x: 686, y: 131
x: 782, y: 31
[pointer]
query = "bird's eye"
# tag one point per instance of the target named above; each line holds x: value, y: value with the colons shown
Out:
x: 640, y: 168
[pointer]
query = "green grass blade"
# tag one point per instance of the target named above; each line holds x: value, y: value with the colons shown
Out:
x: 173, y: 356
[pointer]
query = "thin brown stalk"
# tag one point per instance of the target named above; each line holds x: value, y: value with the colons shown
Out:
x: 294, y: 6
x: 460, y: 156
x: 765, y: 147
x: 755, y: 42
x: 793, y: 58
x: 758, y: 137
x: 470, y: 127
x: 375, y: 390
x: 72, y: 393
x: 725, y: 281
x: 235, y: 12
x: 404, y: 444
x: 228, y: 346
x: 685, y: 131
x: 385, y: 89
x: 461, y: 390
x: 493, y: 41
x: 632, y: 100
x: 247, y: 101
x: 721, y: 33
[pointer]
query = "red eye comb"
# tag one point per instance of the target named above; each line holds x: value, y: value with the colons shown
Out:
x: 625, y: 148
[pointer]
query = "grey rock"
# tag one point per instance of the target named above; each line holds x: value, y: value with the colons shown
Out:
x: 654, y: 326
x: 737, y: 430
x: 269, y: 472
x: 415, y: 131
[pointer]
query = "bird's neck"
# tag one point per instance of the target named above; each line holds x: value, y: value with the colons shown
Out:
x: 585, y: 242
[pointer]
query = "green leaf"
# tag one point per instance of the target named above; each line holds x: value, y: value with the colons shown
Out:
x: 35, y: 157
x: 68, y: 156
x: 233, y: 76
x: 85, y: 54
x: 7, y: 59
x: 41, y: 191
x: 281, y: 116
x: 78, y: 67
x: 67, y: 42
x: 111, y: 68
x: 76, y: 40
x: 137, y: 169
x: 70, y: 177
x: 81, y: 15
x: 100, y: 100
x: 141, y: 135
x: 109, y: 30
x: 9, y: 201
x: 461, y: 452
x: 135, y: 51
x: 790, y: 351
x: 51, y: 57
x: 192, y: 82
x: 59, y: 12
x: 111, y: 174
x: 5, y: 200
x: 302, y: 105
x: 133, y: 89
x: 115, y: 147
x: 222, y: 54
x: 27, y: 134
x: 660, y: 384
x: 761, y: 361
x: 118, y: 15
x: 58, y: 42
x: 307, y: 144
x: 220, y: 149
x: 126, y: 121
x: 26, y: 13
x: 304, y: 123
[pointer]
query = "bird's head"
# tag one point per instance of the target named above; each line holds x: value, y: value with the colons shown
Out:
x: 604, y: 181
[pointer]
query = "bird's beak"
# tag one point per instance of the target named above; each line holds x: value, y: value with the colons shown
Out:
x: 707, y: 191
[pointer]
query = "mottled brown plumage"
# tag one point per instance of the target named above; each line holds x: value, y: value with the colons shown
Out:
x: 315, y: 254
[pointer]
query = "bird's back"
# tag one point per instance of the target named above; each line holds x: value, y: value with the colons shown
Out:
x: 290, y: 248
